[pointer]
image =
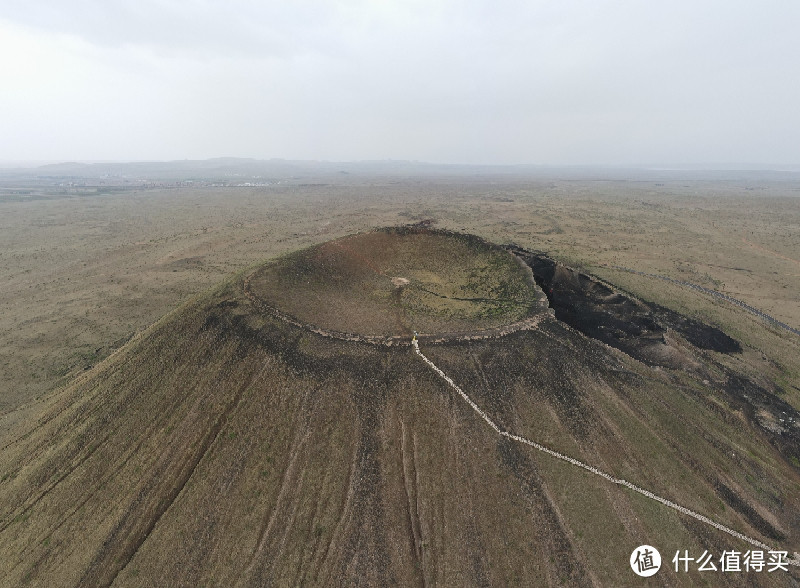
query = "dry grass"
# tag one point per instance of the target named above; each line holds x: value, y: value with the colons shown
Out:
x: 223, y: 446
x: 394, y: 282
x: 80, y: 274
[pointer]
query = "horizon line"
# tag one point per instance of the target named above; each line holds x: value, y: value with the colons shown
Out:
x: 9, y: 164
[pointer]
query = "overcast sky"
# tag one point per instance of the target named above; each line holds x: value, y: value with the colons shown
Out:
x: 547, y: 82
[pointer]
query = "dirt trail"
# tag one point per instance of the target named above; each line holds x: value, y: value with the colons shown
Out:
x: 770, y: 251
x: 394, y: 340
x: 794, y: 562
x: 731, y: 299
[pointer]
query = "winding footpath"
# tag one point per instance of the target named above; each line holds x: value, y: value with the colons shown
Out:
x: 525, y: 324
x: 580, y: 464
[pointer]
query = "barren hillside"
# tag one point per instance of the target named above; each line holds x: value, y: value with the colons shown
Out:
x: 232, y: 445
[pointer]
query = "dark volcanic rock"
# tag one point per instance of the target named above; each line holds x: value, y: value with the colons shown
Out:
x: 601, y: 312
x: 641, y: 330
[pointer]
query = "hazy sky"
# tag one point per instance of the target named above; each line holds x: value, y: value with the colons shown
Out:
x: 551, y: 82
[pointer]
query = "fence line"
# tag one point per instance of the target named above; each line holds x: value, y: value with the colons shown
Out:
x: 717, y: 293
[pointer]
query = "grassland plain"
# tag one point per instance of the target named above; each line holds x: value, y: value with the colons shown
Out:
x: 161, y: 453
x: 82, y: 271
x: 224, y: 445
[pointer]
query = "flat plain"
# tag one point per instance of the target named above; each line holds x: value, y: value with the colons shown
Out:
x: 82, y: 269
x: 216, y: 384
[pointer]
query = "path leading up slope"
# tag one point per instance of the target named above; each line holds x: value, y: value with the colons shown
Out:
x: 228, y: 446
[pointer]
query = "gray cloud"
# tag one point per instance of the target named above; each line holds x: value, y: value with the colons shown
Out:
x: 539, y: 82
x: 197, y: 28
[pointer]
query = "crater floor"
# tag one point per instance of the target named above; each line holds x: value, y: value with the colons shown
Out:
x: 391, y: 282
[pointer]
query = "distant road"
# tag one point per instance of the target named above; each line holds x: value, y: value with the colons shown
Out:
x: 730, y: 299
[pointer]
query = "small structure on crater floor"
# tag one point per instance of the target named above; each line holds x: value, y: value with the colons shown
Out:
x: 400, y: 282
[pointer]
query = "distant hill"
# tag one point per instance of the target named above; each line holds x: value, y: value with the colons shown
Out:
x: 232, y: 169
x: 229, y: 168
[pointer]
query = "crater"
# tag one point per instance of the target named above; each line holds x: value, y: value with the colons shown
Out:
x: 388, y: 283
